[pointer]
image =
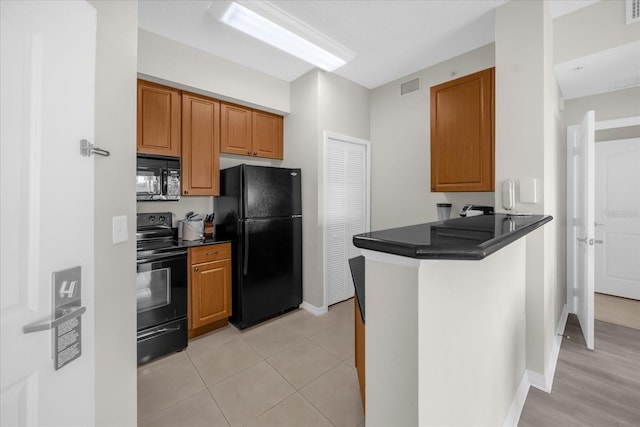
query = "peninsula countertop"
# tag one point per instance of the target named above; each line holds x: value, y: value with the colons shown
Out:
x: 471, y: 238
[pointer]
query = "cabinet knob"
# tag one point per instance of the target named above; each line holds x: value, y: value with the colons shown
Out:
x: 249, y: 152
x: 186, y: 191
x: 255, y: 153
x: 197, y: 269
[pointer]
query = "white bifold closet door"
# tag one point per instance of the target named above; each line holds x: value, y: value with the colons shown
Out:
x: 347, y: 212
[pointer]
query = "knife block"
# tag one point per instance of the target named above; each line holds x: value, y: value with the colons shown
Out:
x: 208, y: 229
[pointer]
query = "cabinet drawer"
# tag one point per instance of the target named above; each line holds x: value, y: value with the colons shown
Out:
x: 210, y: 253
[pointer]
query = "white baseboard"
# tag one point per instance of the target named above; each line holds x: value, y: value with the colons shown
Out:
x: 517, y: 404
x: 536, y: 379
x: 545, y: 382
x: 316, y: 311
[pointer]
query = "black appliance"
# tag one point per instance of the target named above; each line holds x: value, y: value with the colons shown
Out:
x: 260, y: 209
x: 157, y: 178
x: 161, y: 288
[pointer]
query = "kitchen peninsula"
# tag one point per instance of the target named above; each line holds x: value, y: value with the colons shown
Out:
x: 446, y: 320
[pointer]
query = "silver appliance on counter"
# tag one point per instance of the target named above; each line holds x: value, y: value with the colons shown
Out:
x: 475, y: 210
x: 157, y: 178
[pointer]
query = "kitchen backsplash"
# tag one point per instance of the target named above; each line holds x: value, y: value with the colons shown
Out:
x: 201, y: 205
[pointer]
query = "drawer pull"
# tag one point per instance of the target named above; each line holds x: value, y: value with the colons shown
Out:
x: 197, y: 269
x: 212, y: 253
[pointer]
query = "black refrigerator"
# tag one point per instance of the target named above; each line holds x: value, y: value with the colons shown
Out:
x: 260, y: 210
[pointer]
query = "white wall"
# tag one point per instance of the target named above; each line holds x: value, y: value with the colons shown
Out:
x: 166, y: 61
x: 319, y: 102
x: 115, y: 269
x: 400, y: 146
x: 597, y: 27
x: 607, y: 106
x: 443, y: 348
x: 529, y: 144
x: 300, y: 150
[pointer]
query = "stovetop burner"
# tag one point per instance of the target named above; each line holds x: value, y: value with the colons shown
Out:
x: 154, y: 234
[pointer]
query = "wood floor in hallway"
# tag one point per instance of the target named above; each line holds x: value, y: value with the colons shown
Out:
x: 591, y: 388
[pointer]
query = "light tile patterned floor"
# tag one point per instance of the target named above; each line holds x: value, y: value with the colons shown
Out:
x: 296, y: 370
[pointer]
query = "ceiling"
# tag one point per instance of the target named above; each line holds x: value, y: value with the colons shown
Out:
x: 391, y: 38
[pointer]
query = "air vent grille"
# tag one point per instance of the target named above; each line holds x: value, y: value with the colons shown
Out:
x: 412, y: 85
x: 633, y: 11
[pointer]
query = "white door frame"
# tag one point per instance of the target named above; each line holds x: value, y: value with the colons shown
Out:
x: 323, y: 206
x: 580, y: 223
x: 571, y: 302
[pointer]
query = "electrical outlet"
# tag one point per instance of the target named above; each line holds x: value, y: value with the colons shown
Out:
x: 120, y: 230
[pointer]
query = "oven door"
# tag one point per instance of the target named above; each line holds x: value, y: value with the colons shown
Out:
x: 161, y: 288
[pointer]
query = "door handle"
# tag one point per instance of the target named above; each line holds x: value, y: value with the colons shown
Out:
x: 155, y: 333
x: 598, y: 224
x: 245, y: 269
x: 598, y: 241
x: 582, y: 240
x: 50, y: 324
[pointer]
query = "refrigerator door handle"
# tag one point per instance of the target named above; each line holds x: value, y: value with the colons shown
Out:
x: 246, y: 248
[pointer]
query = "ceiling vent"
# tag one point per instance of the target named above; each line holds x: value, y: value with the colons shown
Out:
x: 633, y: 11
x: 412, y: 86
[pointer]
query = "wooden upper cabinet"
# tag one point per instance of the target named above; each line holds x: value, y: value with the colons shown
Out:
x: 462, y: 134
x: 249, y: 132
x: 235, y: 131
x: 267, y: 135
x: 200, y: 146
x: 158, y: 119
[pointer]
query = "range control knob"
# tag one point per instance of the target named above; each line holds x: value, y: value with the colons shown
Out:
x: 152, y: 218
x: 162, y: 219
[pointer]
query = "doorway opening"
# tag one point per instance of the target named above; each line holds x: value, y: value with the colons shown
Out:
x: 617, y: 226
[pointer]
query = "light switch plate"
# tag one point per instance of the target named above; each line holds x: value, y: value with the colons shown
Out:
x: 120, y: 229
x: 528, y: 190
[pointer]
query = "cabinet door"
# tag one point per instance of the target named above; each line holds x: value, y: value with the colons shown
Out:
x: 200, y: 146
x: 158, y: 119
x: 267, y: 135
x: 235, y: 132
x: 462, y: 134
x: 211, y: 292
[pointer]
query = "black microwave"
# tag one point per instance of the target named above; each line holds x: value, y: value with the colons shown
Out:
x: 157, y: 178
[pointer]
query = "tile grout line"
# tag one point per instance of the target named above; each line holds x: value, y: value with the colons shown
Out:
x: 265, y: 359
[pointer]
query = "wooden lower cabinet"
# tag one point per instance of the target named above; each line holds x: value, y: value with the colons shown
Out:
x: 209, y: 288
x: 360, y: 360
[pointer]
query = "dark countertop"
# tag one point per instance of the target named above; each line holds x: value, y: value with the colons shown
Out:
x: 202, y: 242
x: 357, y: 272
x: 470, y: 238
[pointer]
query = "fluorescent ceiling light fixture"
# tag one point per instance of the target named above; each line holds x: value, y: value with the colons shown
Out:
x: 258, y: 26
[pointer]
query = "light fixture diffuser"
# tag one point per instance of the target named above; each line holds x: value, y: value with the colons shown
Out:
x: 270, y: 32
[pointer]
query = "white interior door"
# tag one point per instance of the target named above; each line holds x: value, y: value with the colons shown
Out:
x: 580, y: 223
x: 617, y: 218
x: 346, y: 211
x: 47, y: 69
